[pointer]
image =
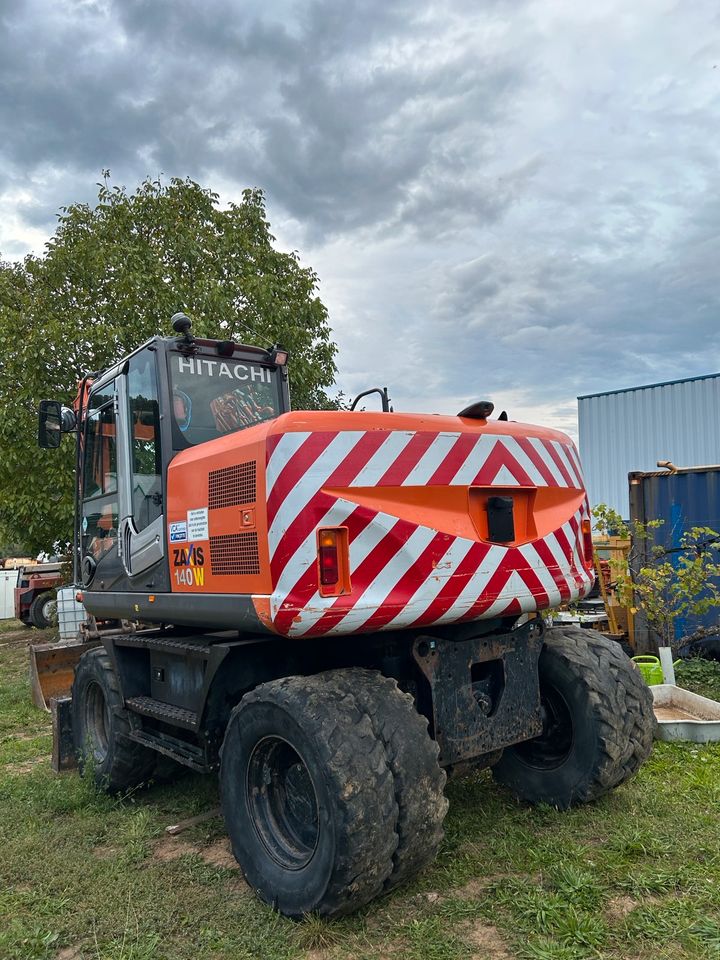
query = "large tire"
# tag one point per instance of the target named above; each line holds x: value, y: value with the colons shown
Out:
x: 598, y: 718
x: 100, y: 725
x: 308, y: 797
x: 413, y: 757
x: 42, y: 610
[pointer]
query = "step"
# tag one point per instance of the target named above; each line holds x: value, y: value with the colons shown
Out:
x: 194, y: 648
x: 185, y: 753
x: 167, y: 712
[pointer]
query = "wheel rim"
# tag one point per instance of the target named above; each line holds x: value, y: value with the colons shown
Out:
x: 282, y: 802
x: 97, y: 720
x: 48, y: 610
x: 554, y: 745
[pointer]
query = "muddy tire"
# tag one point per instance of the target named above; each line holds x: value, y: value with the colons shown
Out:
x: 413, y: 758
x: 308, y: 797
x: 598, y: 723
x: 43, y: 609
x: 100, y: 725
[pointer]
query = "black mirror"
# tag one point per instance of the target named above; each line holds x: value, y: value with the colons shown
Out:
x: 49, y: 424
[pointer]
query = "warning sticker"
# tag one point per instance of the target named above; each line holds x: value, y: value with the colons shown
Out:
x: 178, y: 531
x: 197, y: 524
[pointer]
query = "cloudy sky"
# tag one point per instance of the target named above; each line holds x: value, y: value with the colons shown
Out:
x: 509, y: 200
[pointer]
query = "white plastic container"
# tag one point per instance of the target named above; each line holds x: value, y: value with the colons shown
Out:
x: 682, y: 715
x: 71, y: 613
x: 8, y: 582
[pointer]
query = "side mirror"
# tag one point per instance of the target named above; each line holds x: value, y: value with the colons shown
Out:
x: 49, y: 424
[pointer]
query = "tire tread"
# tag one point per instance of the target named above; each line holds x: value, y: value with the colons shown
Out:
x: 621, y: 703
x: 412, y: 754
x: 355, y: 759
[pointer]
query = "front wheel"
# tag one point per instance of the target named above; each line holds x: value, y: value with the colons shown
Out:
x: 598, y: 723
x: 101, y: 725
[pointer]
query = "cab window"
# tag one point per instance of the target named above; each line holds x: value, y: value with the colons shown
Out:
x: 100, y: 485
x: 145, y: 439
x: 213, y: 397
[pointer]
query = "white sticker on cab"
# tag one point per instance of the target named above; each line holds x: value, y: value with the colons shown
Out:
x: 197, y: 524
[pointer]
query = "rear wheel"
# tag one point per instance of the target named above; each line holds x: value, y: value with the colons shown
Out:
x: 413, y: 757
x: 598, y: 723
x: 307, y: 796
x: 43, y: 610
x: 100, y: 725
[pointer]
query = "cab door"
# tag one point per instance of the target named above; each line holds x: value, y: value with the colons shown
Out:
x: 122, y: 526
x: 100, y: 513
x: 141, y: 493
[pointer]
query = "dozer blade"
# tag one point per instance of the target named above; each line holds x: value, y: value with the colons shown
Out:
x: 52, y: 668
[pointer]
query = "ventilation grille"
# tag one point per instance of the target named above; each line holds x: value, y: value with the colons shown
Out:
x: 232, y: 486
x: 234, y: 553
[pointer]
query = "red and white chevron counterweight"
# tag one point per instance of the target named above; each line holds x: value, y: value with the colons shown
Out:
x: 417, y: 554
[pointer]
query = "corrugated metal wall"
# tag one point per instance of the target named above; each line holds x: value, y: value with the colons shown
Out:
x: 628, y: 430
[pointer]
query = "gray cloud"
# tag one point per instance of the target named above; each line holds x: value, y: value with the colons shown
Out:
x: 351, y: 115
x: 512, y: 199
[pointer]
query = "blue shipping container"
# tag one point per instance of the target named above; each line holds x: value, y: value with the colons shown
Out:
x: 683, y: 499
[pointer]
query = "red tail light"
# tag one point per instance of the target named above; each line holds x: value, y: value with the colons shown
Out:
x: 328, y: 555
x: 587, y: 543
x: 333, y: 562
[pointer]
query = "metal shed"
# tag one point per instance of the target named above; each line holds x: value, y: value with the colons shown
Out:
x: 622, y: 431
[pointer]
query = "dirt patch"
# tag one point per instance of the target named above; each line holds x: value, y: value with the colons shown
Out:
x: 170, y: 848
x: 219, y: 854
x: 485, y: 940
x: 14, y: 637
x: 69, y: 953
x: 24, y: 635
x: 474, y: 889
x: 619, y: 907
x: 216, y: 854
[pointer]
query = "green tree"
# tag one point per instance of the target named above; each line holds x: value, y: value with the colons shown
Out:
x: 110, y: 277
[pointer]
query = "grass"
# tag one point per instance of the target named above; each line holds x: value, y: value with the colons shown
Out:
x: 87, y: 877
x: 700, y: 676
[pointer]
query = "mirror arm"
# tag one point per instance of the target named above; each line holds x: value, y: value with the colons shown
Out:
x: 385, y: 399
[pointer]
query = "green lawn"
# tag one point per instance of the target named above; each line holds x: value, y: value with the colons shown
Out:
x: 82, y: 875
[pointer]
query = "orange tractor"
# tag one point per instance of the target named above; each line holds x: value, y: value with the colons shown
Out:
x: 342, y: 609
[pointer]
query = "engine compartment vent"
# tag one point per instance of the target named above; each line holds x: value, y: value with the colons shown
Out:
x: 235, y: 554
x: 232, y: 486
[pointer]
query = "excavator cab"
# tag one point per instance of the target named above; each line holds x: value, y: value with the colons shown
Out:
x: 166, y: 396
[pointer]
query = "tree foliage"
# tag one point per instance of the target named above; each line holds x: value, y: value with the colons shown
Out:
x: 110, y: 277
